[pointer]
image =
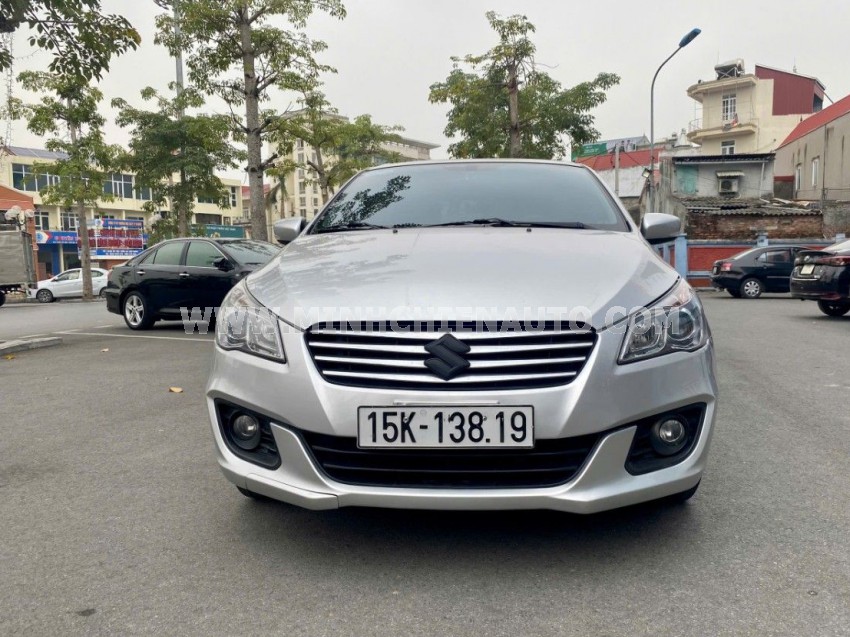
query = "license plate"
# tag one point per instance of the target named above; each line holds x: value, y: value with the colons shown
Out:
x: 807, y: 269
x: 432, y: 427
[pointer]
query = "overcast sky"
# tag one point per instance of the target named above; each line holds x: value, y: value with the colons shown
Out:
x: 388, y: 52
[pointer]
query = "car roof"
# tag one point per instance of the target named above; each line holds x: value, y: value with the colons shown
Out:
x: 506, y: 160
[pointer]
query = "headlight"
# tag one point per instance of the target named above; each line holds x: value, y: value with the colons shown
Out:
x: 244, y: 324
x: 674, y: 324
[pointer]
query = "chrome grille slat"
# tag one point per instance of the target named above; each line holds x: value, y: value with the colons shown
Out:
x: 474, y: 349
x: 427, y: 377
x: 375, y: 356
x: 473, y: 364
x: 463, y: 335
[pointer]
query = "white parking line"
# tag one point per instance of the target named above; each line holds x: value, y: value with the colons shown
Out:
x: 161, y: 338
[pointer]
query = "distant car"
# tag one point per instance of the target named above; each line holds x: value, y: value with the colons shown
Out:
x: 68, y: 284
x: 181, y: 273
x: 824, y: 276
x: 750, y: 273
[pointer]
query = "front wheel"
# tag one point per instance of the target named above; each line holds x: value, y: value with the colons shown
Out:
x: 136, y: 314
x: 834, y: 308
x: 751, y: 288
x: 2, y: 297
x: 44, y: 296
x: 102, y: 293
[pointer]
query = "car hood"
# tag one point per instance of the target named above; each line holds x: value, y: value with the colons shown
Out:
x: 461, y: 273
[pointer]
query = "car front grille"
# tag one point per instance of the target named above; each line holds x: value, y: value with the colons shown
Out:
x: 501, y: 355
x: 550, y: 463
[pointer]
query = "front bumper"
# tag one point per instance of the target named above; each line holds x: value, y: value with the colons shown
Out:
x: 605, y: 397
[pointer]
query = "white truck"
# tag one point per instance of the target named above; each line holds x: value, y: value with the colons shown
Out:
x: 17, y: 270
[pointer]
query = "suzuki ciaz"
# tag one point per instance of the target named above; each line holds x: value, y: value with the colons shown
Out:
x: 483, y: 334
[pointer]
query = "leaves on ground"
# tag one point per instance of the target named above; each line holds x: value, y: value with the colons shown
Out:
x: 175, y: 390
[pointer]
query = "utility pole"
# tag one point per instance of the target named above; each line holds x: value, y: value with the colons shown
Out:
x: 181, y: 206
x: 617, y: 170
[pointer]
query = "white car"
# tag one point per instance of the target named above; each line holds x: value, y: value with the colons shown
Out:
x: 68, y: 284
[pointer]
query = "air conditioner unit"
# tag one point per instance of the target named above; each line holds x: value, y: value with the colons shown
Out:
x: 728, y: 186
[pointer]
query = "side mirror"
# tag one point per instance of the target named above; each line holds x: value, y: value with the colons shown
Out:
x: 657, y: 227
x: 223, y: 264
x: 286, y: 230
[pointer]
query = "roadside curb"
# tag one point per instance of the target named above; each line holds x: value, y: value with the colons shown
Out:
x: 9, y: 347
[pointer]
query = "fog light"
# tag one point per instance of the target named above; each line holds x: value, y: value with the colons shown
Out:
x: 668, y: 436
x: 246, y: 431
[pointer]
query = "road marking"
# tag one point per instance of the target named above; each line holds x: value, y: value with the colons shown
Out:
x: 161, y: 338
x: 33, y: 336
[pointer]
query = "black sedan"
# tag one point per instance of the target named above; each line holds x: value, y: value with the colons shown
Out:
x: 752, y: 272
x: 181, y: 274
x: 824, y: 276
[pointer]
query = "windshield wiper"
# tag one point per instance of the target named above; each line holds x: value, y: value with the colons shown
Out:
x: 496, y: 221
x: 357, y: 225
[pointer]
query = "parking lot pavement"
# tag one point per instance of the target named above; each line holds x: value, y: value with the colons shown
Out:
x: 114, y: 518
x: 23, y: 320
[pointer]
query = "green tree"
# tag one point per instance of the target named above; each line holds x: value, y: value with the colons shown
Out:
x: 81, y: 37
x: 502, y: 105
x: 70, y: 106
x: 235, y: 51
x: 342, y: 147
x: 165, y: 143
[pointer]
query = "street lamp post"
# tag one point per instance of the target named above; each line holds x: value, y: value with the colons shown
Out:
x: 685, y: 41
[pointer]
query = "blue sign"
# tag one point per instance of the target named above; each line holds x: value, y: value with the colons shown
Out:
x: 55, y: 237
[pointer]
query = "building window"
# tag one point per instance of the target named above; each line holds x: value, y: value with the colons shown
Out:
x: 233, y: 196
x: 205, y: 219
x: 300, y: 158
x: 798, y: 177
x: 729, y: 107
x: 727, y: 148
x: 303, y: 212
x: 227, y: 221
x: 101, y: 216
x: 300, y: 173
x: 315, y: 202
x: 302, y: 201
x: 22, y: 177
x: 302, y: 186
x: 42, y: 220
x: 119, y: 185
x: 133, y: 218
x: 299, y: 144
x: 68, y: 220
x: 815, y: 163
x: 143, y: 193
x: 211, y: 200
x: 315, y: 188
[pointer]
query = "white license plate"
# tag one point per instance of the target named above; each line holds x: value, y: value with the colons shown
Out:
x: 807, y: 269
x: 432, y: 427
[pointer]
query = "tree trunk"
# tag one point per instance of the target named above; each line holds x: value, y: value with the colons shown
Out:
x: 252, y: 123
x: 182, y: 209
x: 83, y: 231
x: 323, y: 178
x: 513, y: 110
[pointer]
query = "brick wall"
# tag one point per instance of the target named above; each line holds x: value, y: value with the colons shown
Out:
x: 746, y: 227
x: 836, y: 219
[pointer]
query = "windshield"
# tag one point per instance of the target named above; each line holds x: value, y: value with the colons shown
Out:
x: 481, y: 192
x: 249, y: 252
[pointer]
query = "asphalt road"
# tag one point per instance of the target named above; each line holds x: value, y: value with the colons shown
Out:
x: 114, y: 518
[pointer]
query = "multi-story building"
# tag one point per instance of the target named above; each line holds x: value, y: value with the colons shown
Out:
x: 123, y: 218
x: 301, y: 195
x: 814, y: 160
x: 747, y: 113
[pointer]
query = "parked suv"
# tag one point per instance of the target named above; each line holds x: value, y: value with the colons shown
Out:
x: 750, y: 273
x: 484, y: 334
x: 824, y: 276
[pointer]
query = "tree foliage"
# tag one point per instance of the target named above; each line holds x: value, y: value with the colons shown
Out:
x: 342, y: 147
x: 236, y: 50
x: 165, y: 142
x: 81, y: 37
x: 503, y: 105
x: 69, y: 106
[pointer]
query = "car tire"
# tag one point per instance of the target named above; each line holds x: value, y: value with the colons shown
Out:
x: 136, y: 313
x: 2, y: 298
x: 682, y: 497
x: 252, y: 495
x: 102, y: 293
x: 734, y: 293
x: 44, y: 296
x: 834, y: 308
x: 751, y: 288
